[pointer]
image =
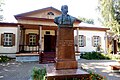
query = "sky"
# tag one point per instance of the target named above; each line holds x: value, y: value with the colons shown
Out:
x: 82, y: 8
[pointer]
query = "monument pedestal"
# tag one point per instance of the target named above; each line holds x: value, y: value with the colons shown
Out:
x: 65, y: 55
x: 66, y: 65
x: 66, y: 74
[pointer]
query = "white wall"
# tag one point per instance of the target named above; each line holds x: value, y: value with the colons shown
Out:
x: 12, y: 49
x: 89, y: 35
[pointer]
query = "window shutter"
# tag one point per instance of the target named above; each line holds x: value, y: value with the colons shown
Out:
x: 99, y: 40
x: 2, y: 39
x: 75, y: 40
x: 92, y: 41
x: 13, y: 39
x: 37, y: 39
x: 27, y: 39
x: 84, y: 40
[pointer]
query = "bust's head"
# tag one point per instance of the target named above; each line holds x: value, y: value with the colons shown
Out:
x: 64, y: 9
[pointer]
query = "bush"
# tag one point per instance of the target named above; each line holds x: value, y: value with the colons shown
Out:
x: 95, y: 76
x: 94, y: 55
x: 38, y: 73
x: 113, y: 56
x: 4, y: 58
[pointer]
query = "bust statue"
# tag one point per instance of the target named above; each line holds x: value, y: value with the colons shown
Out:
x: 64, y: 20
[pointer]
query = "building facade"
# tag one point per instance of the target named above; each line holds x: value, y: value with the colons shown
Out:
x: 36, y: 32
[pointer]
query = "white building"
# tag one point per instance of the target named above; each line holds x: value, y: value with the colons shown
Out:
x: 36, y: 31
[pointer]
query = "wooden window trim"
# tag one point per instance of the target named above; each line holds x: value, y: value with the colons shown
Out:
x: 2, y: 40
x: 84, y: 41
x: 28, y: 42
x: 98, y: 42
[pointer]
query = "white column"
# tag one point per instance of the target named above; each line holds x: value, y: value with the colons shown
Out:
x: 18, y: 37
x: 77, y: 40
x: 106, y: 51
x: 40, y: 39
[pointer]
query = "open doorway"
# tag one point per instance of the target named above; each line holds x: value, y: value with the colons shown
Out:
x: 49, y: 43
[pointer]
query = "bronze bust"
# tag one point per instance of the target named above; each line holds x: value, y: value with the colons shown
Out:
x: 64, y: 20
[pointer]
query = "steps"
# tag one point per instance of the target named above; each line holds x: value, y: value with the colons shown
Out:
x: 47, y: 57
x: 27, y: 57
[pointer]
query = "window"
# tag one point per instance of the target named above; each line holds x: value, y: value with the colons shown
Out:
x: 96, y: 41
x: 50, y: 13
x: 81, y: 41
x: 8, y: 39
x: 47, y: 32
x: 32, y: 39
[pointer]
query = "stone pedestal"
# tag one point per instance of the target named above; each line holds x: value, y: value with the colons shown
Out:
x: 65, y: 55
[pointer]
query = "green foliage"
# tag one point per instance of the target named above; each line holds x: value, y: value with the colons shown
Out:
x: 38, y: 73
x: 4, y: 58
x: 113, y: 57
x: 89, y: 21
x: 95, y: 76
x: 94, y: 55
x: 109, y: 10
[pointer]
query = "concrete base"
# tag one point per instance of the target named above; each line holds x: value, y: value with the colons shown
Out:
x: 27, y: 57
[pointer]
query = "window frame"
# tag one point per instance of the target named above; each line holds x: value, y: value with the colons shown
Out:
x: 8, y: 38
x: 28, y: 39
x: 81, y: 40
x: 96, y: 41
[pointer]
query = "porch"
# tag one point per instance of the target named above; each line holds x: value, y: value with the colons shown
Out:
x: 32, y: 53
x: 35, y: 40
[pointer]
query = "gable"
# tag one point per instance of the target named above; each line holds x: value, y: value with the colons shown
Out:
x: 48, y: 12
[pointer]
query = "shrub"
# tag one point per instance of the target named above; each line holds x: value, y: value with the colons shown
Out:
x: 38, y: 73
x: 95, y: 76
x: 94, y: 55
x: 113, y: 56
x: 4, y: 58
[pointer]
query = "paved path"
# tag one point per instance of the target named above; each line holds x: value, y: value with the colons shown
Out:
x: 22, y: 71
x: 17, y: 70
x: 101, y: 67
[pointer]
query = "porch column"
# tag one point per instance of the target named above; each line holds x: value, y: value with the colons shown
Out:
x: 22, y: 38
x: 18, y: 37
x: 77, y: 48
x: 40, y: 38
x: 115, y: 45
x: 105, y: 38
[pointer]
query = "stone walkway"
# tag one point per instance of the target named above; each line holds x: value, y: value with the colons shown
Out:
x: 22, y: 71
x: 17, y: 70
x: 101, y: 67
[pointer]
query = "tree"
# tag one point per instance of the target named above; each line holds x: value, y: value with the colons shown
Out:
x: 89, y: 21
x: 1, y: 10
x: 110, y: 12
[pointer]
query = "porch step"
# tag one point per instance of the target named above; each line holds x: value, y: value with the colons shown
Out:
x: 47, y: 57
x: 27, y: 57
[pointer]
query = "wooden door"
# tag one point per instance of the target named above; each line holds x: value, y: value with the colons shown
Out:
x: 49, y: 43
